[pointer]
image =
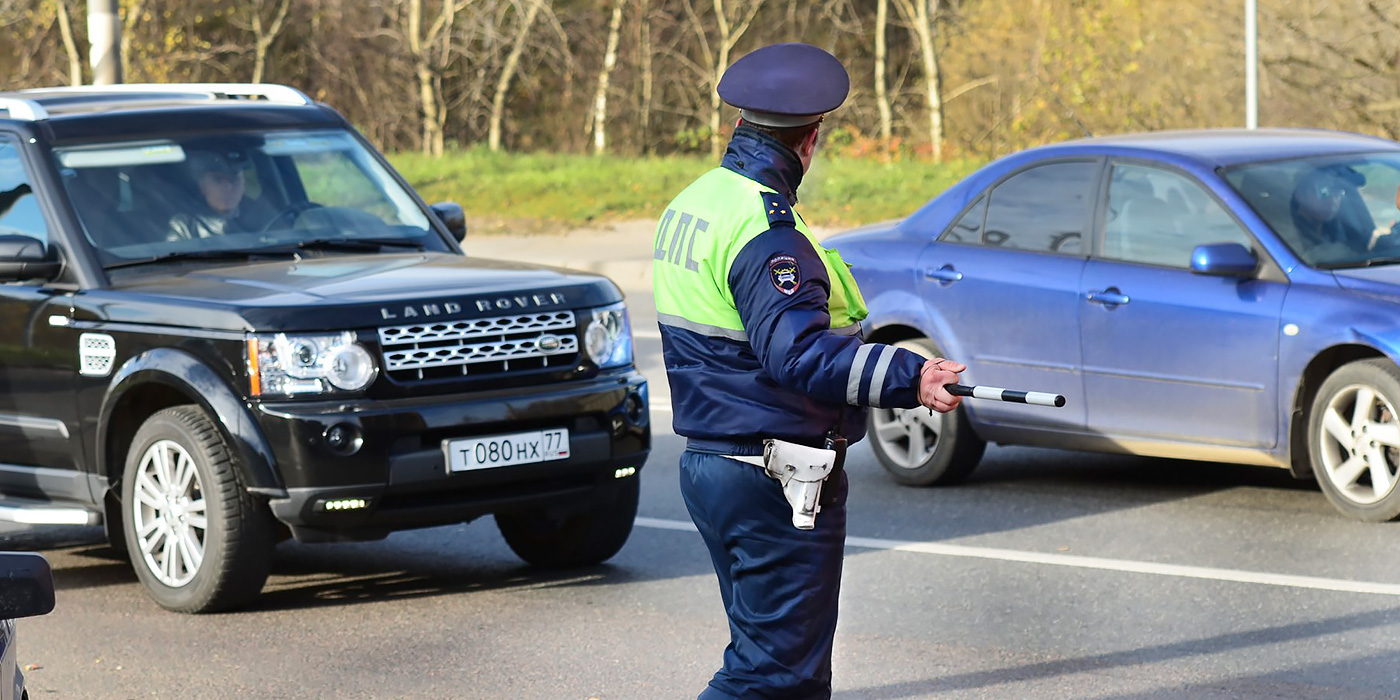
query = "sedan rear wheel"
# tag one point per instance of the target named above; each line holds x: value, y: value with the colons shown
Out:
x: 922, y: 449
x: 1354, y: 440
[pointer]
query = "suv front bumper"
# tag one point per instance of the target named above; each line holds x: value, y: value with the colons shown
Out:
x: 392, y: 473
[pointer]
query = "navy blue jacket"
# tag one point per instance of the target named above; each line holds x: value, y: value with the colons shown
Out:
x: 793, y: 377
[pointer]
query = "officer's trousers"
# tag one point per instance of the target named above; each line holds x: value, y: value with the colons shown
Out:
x: 779, y: 584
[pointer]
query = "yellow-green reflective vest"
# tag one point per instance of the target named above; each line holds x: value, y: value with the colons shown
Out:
x: 698, y: 239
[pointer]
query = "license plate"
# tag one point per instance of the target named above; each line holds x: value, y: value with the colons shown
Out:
x: 506, y: 450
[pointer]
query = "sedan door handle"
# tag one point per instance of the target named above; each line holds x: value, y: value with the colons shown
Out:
x: 1108, y: 297
x: 943, y: 274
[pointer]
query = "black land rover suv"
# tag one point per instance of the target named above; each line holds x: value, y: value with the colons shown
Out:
x: 224, y: 319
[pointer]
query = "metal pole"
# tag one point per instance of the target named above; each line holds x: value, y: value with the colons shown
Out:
x: 1251, y: 65
x: 104, y: 37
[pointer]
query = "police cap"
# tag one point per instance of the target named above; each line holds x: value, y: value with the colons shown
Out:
x: 225, y: 161
x: 785, y: 85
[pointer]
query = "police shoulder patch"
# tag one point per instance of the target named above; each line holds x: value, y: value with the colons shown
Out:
x: 784, y: 273
x: 778, y: 209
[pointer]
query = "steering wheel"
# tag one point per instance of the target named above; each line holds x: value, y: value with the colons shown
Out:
x: 290, y: 212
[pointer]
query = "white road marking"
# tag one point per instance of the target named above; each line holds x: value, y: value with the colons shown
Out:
x: 1124, y: 565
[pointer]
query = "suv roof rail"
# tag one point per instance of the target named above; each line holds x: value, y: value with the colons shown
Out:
x: 28, y: 104
x: 22, y: 109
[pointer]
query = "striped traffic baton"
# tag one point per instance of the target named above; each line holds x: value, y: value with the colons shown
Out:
x: 1039, y: 398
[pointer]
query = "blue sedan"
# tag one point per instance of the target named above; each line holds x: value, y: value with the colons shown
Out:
x: 1220, y: 295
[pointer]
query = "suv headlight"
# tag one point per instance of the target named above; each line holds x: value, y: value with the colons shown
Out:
x: 608, y: 337
x: 308, y: 364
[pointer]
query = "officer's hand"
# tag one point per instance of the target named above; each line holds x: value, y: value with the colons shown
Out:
x: 935, y: 374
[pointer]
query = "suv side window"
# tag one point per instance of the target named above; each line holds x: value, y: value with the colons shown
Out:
x: 19, y: 207
x: 1157, y: 217
x: 1043, y: 209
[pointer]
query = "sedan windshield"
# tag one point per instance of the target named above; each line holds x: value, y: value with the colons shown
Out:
x: 216, y: 197
x: 1332, y: 211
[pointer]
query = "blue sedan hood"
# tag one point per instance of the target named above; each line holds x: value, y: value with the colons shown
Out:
x: 1383, y: 280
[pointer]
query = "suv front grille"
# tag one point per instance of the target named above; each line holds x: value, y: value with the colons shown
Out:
x: 480, y: 346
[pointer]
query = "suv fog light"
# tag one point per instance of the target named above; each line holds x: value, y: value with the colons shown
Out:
x: 624, y: 472
x: 343, y: 438
x: 636, y: 410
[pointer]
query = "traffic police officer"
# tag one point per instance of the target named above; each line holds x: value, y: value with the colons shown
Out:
x: 760, y: 331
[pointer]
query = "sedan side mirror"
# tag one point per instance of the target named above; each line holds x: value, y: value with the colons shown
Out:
x: 452, y: 216
x: 1223, y: 260
x: 26, y: 585
x: 25, y: 258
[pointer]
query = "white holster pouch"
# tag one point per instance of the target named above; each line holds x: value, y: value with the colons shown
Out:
x: 800, y: 469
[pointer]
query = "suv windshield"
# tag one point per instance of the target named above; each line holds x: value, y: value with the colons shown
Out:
x: 235, y: 193
x: 1332, y: 211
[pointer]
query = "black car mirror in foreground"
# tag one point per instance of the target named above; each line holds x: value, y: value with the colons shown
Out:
x: 1223, y: 260
x: 453, y: 217
x: 25, y: 258
x: 26, y: 585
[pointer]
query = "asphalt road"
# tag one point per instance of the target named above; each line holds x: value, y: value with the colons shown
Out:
x: 1048, y: 575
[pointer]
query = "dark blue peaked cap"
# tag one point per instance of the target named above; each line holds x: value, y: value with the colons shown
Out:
x: 785, y: 84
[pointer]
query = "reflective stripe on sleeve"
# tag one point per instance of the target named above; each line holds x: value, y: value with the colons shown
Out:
x: 701, y: 328
x: 882, y: 368
x: 853, y: 329
x: 857, y: 369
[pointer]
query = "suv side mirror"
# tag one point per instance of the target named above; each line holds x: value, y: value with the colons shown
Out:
x: 26, y: 585
x: 25, y: 258
x: 452, y: 216
x: 1223, y: 260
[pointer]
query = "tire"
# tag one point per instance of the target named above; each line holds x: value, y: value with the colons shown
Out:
x: 1355, y: 454
x: 221, y: 565
x: 551, y: 541
x: 919, y: 449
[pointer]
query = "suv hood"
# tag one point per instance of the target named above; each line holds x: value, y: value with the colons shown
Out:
x: 343, y: 292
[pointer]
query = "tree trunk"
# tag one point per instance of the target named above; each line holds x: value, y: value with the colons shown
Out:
x: 729, y: 35
x: 440, y: 125
x: 882, y: 97
x: 920, y: 18
x: 647, y: 77
x: 263, y: 37
x: 133, y: 14
x: 600, y: 98
x: 428, y: 71
x: 498, y: 103
x: 75, y: 59
x: 721, y: 62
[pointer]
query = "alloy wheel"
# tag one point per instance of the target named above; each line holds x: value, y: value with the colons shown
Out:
x: 908, y: 435
x: 168, y: 513
x: 1360, y: 441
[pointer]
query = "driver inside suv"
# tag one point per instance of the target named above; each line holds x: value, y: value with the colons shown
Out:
x: 220, y: 208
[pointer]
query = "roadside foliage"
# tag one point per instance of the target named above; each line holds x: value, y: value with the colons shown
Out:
x: 932, y: 80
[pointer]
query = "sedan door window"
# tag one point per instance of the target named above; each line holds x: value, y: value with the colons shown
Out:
x: 1158, y: 217
x: 1043, y: 209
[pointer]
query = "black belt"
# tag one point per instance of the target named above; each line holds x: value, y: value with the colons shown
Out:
x: 746, y: 447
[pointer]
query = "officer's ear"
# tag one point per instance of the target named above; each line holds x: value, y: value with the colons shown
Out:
x: 808, y: 145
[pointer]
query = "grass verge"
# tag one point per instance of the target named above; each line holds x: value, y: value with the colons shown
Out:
x: 541, y: 192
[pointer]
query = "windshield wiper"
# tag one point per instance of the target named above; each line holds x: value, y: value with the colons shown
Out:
x: 1370, y: 262
x: 354, y: 244
x: 195, y: 255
